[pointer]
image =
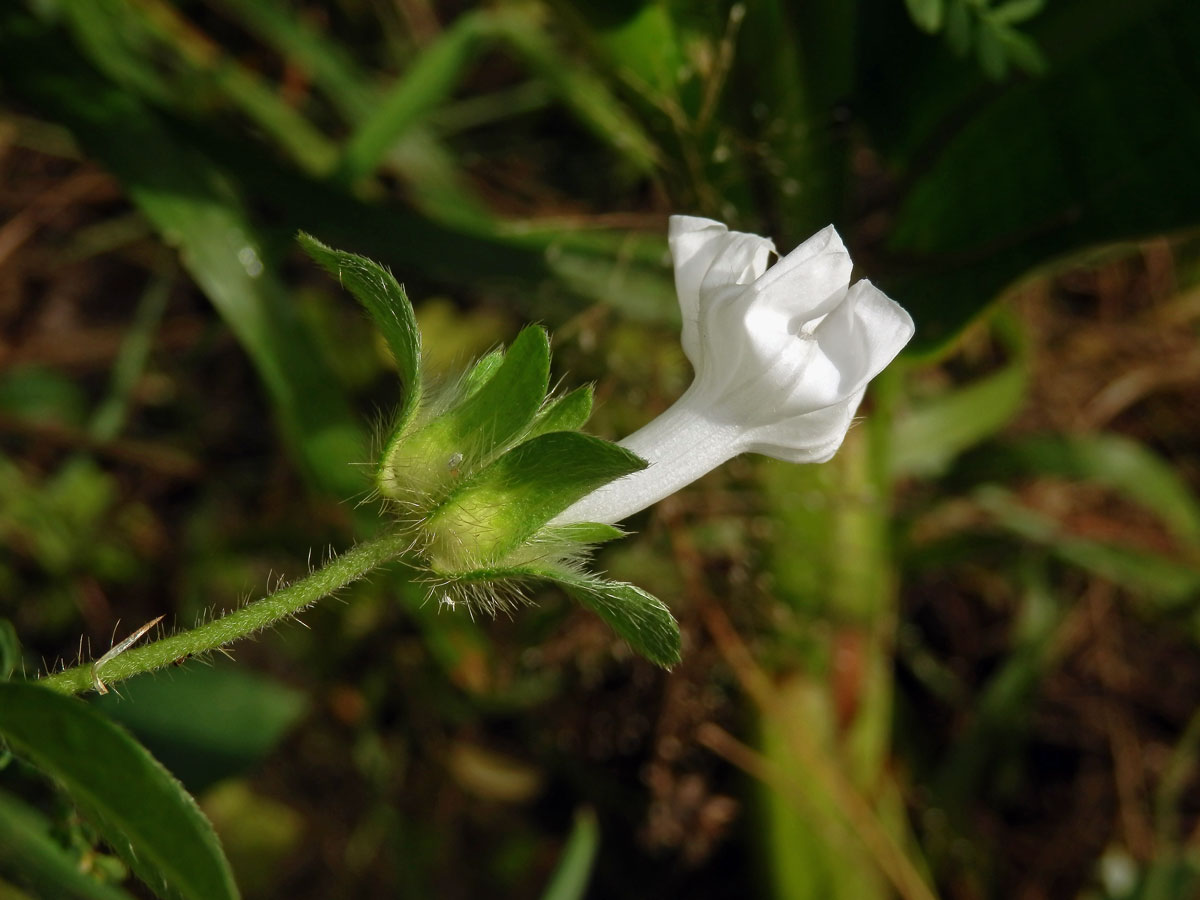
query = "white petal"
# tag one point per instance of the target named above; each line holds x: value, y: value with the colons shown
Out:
x: 808, y: 282
x: 810, y: 438
x: 709, y: 257
x: 692, y: 241
x: 862, y: 335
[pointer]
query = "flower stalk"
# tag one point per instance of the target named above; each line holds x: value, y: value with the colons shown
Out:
x: 241, y: 623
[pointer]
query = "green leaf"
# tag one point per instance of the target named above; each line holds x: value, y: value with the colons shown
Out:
x: 1110, y: 460
x: 37, y: 394
x: 1016, y: 11
x: 582, y: 92
x: 205, y: 723
x: 29, y: 854
x: 958, y: 27
x: 386, y: 301
x: 135, y: 804
x: 569, y: 412
x: 470, y: 434
x: 169, y: 65
x: 499, y: 508
x: 429, y: 79
x: 928, y: 438
x: 926, y: 14
x: 990, y: 50
x: 190, y: 203
x: 1022, y: 51
x: 10, y: 649
x: 331, y: 65
x: 1031, y: 172
x: 640, y: 618
x: 643, y: 47
x: 574, y: 869
x: 1153, y: 574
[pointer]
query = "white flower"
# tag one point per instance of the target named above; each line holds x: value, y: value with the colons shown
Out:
x: 782, y: 358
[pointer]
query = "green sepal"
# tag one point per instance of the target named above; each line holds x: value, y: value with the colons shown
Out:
x: 637, y: 616
x: 481, y: 373
x: 386, y: 301
x: 469, y: 434
x: 580, y: 533
x: 569, y: 412
x: 498, y: 509
x: 641, y: 619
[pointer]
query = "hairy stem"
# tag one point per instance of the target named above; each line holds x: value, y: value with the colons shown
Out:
x: 250, y: 619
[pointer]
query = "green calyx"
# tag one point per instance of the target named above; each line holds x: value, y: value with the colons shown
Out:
x: 491, y: 515
x: 478, y: 472
x: 494, y: 408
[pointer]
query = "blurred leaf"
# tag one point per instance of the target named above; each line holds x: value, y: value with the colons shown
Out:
x: 1108, y: 459
x: 330, y: 64
x: 190, y: 204
x: 574, y: 869
x: 438, y: 68
x: 493, y: 776
x: 1016, y: 11
x: 798, y: 66
x: 171, y: 51
x: 990, y: 50
x: 1001, y: 712
x: 929, y: 437
x: 109, y: 418
x: 261, y: 833
x: 958, y: 27
x: 1007, y: 179
x: 30, y: 854
x: 1159, y: 577
x: 142, y: 812
x: 927, y: 14
x: 427, y: 81
x: 643, y: 47
x: 581, y: 91
x: 205, y: 722
x: 498, y: 509
x: 1022, y: 51
x: 1170, y: 876
x: 10, y: 649
x: 386, y: 301
x: 37, y: 394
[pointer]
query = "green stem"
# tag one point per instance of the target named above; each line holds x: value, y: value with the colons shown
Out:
x: 250, y: 619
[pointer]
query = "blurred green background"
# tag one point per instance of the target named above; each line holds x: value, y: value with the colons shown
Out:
x: 958, y: 661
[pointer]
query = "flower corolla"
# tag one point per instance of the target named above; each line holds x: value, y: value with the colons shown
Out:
x: 782, y: 357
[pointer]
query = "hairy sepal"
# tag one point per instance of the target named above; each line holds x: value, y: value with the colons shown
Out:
x: 640, y: 618
x: 494, y: 512
x: 495, y: 411
x: 569, y: 412
x: 386, y: 301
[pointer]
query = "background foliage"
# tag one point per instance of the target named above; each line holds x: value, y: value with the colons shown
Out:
x: 958, y: 661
